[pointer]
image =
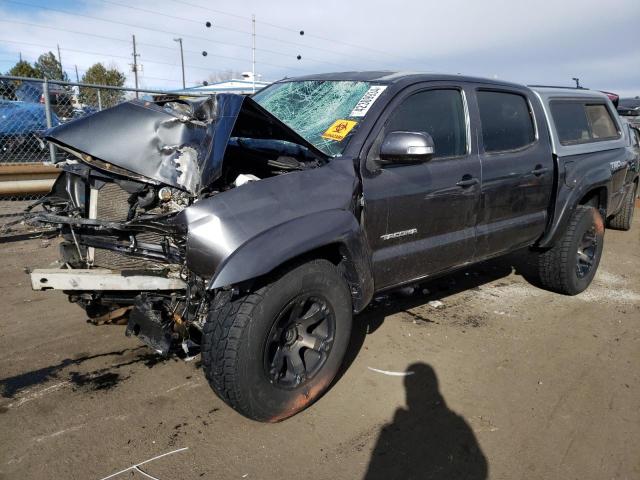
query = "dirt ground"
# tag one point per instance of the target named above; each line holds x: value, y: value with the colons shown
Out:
x: 507, y: 382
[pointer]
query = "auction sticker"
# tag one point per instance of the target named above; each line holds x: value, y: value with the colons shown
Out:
x: 370, y: 96
x: 339, y: 129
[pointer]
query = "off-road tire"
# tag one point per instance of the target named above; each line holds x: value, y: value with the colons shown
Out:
x: 557, y: 267
x: 622, y: 220
x: 236, y: 333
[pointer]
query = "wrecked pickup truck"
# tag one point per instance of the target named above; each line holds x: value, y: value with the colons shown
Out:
x: 257, y: 226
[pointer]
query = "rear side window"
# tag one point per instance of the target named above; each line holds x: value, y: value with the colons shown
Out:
x: 571, y: 122
x: 577, y: 122
x: 440, y: 113
x: 602, y: 125
x: 506, y: 120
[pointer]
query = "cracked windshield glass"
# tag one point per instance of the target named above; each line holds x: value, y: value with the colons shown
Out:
x: 322, y: 112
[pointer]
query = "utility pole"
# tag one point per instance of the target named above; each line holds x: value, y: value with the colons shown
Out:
x: 60, y: 62
x: 253, y: 52
x: 77, y: 76
x: 20, y: 56
x: 179, y: 40
x: 135, y: 63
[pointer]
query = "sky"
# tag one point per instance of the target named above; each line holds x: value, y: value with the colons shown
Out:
x: 543, y: 42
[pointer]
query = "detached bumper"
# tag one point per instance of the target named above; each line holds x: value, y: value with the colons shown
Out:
x: 100, y: 279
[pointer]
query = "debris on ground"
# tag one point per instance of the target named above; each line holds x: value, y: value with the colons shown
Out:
x: 392, y: 374
x: 136, y: 467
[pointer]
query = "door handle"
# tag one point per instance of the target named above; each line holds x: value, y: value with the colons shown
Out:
x: 467, y: 181
x: 539, y: 170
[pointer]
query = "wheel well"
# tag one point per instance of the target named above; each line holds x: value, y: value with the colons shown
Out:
x: 331, y: 252
x: 335, y: 253
x: 596, y: 198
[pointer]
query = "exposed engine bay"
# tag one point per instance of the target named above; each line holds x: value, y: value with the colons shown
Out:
x: 117, y: 206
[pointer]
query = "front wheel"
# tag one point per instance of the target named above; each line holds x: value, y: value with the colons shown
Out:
x: 272, y: 352
x: 569, y: 267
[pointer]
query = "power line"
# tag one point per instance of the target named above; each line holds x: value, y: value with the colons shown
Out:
x: 104, y: 37
x: 117, y: 22
x: 125, y: 57
x: 289, y: 29
x: 221, y: 27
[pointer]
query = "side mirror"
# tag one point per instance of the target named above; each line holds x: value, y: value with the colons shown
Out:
x: 406, y: 147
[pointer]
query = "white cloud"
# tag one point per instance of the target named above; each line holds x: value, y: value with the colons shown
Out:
x: 543, y: 42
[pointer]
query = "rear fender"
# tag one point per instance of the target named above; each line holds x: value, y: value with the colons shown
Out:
x: 570, y: 193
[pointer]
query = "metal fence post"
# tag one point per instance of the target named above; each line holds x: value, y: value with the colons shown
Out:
x: 47, y: 113
x: 99, y: 101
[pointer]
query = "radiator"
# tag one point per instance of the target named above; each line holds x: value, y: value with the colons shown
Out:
x: 111, y: 203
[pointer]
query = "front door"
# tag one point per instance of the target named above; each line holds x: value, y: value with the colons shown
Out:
x: 420, y: 218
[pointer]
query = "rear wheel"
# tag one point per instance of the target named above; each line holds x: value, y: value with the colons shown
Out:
x: 622, y: 220
x: 272, y: 352
x: 569, y: 267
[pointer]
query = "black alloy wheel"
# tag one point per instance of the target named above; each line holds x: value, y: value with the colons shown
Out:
x: 272, y: 351
x: 586, y: 253
x: 300, y: 341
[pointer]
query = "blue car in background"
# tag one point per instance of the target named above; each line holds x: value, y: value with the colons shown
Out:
x: 20, y: 126
x: 59, y: 98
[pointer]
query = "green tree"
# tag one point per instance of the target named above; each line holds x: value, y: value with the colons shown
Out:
x: 98, y: 74
x: 24, y: 69
x: 48, y: 66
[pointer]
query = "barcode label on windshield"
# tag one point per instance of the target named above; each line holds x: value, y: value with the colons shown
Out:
x: 370, y: 96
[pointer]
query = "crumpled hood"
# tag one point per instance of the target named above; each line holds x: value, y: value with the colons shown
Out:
x: 176, y: 142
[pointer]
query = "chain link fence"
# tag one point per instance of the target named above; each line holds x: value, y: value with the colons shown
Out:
x: 28, y: 107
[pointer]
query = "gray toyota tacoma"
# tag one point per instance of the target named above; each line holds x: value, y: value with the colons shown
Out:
x: 255, y: 227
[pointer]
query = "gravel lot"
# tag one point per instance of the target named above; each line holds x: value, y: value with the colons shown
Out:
x: 508, y: 381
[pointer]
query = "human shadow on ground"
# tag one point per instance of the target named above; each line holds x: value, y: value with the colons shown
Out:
x: 426, y: 440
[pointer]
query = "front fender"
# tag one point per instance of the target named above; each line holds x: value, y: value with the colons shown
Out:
x: 269, y: 249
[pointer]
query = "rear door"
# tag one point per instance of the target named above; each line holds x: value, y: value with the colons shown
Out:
x: 517, y: 171
x: 420, y: 218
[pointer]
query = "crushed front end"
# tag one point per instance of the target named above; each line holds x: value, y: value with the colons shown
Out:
x: 120, y: 200
x: 122, y: 255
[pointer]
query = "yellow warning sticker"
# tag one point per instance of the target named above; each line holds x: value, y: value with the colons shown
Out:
x: 339, y: 129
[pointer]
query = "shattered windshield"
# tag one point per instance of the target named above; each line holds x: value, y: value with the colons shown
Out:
x: 322, y: 112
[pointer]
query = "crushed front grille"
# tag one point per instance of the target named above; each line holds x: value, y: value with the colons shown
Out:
x: 113, y: 205
x: 120, y: 261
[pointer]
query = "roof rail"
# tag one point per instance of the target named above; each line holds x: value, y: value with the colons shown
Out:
x: 556, y: 86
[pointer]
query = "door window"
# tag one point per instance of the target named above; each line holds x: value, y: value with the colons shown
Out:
x: 506, y: 119
x: 440, y: 113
